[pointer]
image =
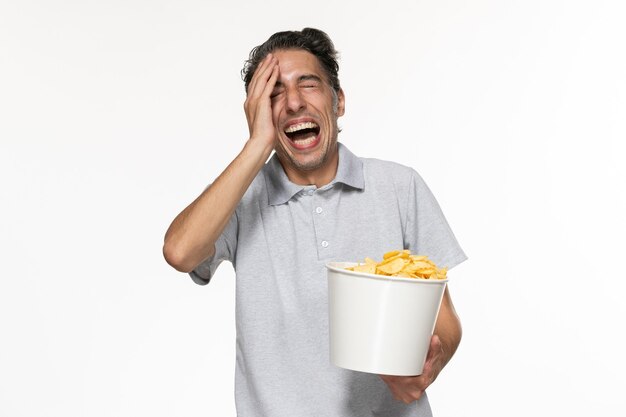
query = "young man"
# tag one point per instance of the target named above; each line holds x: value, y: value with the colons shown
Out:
x: 280, y: 222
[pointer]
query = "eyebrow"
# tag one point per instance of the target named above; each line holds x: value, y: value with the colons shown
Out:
x: 309, y: 77
x: 302, y: 78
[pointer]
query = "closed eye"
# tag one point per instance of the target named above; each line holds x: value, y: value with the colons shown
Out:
x: 276, y: 93
x: 309, y: 81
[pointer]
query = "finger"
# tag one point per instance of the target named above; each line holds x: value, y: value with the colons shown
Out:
x: 416, y: 395
x: 260, y: 77
x: 262, y: 104
x: 257, y: 72
x: 435, y: 341
x: 433, y: 354
x: 408, y: 394
x: 271, y: 82
x: 429, y: 371
x: 434, y: 349
x: 405, y: 389
x: 251, y: 105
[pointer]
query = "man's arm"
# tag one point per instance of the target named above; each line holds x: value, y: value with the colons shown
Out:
x: 443, y: 344
x: 191, y: 237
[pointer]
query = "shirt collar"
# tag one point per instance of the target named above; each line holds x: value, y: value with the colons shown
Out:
x: 280, y: 189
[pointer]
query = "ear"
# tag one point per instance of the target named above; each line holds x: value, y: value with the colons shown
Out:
x: 341, y: 103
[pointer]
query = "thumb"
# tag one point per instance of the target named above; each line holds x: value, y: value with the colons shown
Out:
x: 434, y: 349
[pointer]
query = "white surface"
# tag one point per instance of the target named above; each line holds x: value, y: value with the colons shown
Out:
x: 381, y: 325
x: 114, y: 115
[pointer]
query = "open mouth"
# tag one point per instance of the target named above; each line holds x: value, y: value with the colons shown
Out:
x: 303, y: 134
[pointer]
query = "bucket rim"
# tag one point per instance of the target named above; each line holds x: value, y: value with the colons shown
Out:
x: 339, y: 267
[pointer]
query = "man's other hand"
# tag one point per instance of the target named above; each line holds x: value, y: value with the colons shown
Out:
x: 411, y: 388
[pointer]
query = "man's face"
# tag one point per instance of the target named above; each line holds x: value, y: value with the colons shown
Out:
x: 305, y: 109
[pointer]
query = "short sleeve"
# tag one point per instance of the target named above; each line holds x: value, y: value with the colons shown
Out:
x: 225, y: 249
x: 427, y: 230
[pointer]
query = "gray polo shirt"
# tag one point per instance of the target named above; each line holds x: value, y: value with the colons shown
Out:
x: 279, y: 240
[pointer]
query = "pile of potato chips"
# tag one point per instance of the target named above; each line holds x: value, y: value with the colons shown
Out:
x: 400, y: 263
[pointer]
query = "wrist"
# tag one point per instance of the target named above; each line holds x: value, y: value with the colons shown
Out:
x: 260, y: 146
x: 255, y: 152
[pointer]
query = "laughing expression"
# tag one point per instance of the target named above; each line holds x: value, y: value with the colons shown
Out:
x: 305, y: 109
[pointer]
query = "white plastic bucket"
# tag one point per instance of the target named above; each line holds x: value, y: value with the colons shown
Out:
x: 381, y: 324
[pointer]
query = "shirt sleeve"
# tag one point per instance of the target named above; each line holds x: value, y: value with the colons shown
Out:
x: 427, y: 231
x: 225, y: 249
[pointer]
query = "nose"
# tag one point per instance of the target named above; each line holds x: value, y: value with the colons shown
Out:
x: 295, y: 101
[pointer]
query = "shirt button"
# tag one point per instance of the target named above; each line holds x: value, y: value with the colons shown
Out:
x: 311, y: 192
x: 324, y: 244
x: 318, y: 210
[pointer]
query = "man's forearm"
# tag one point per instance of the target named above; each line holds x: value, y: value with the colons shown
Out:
x: 191, y: 237
x: 448, y: 327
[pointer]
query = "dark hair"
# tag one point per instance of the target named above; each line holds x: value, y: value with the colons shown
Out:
x: 312, y: 40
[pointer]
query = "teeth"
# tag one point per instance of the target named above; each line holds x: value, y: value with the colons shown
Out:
x: 300, y: 126
x: 304, y: 142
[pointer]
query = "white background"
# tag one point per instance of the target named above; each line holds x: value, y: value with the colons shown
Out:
x: 115, y: 114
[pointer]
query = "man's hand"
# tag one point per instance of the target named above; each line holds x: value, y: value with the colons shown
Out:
x: 258, y: 104
x: 411, y: 388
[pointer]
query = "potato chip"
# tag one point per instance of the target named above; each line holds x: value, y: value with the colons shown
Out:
x: 401, y: 263
x: 369, y: 268
x: 396, y: 253
x: 391, y: 268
